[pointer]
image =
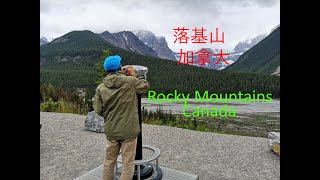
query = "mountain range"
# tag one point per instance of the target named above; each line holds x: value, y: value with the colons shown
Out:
x: 233, y: 56
x: 264, y: 57
x: 71, y: 61
x: 243, y: 46
x: 128, y: 41
x: 148, y: 44
x: 43, y: 41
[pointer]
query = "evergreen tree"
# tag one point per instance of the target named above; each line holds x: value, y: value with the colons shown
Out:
x: 102, y: 73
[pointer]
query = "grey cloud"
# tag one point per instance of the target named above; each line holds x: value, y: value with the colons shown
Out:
x: 268, y: 3
x: 44, y: 6
x: 179, y: 5
x: 207, y: 4
x: 259, y: 3
x: 238, y: 18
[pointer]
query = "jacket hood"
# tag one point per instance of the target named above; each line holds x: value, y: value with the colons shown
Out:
x: 114, y: 80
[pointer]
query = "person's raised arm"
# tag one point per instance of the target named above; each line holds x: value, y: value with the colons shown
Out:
x: 141, y: 85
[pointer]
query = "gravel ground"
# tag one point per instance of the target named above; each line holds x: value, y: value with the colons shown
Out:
x: 68, y: 151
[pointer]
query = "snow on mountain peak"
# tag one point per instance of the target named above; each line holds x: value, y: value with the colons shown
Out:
x: 125, y: 38
x: 248, y: 41
x: 160, y: 37
x: 43, y: 41
x: 143, y: 33
x: 43, y: 38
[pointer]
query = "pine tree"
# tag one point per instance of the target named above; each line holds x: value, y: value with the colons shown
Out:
x: 99, y: 67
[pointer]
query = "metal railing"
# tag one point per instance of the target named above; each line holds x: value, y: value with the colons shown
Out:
x: 138, y: 163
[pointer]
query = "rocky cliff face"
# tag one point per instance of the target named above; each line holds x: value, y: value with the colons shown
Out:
x: 43, y: 41
x: 128, y: 41
x: 158, y: 44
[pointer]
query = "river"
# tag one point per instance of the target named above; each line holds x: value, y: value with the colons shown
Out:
x: 241, y: 108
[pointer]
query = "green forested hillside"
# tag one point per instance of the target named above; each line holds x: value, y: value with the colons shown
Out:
x: 75, y: 41
x: 270, y: 66
x: 262, y: 58
x: 71, y: 62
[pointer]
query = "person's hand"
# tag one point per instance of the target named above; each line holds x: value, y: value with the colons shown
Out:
x: 130, y: 71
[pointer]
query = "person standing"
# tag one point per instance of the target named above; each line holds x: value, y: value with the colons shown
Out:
x: 117, y: 102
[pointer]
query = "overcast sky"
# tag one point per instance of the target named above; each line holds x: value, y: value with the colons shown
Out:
x: 238, y: 19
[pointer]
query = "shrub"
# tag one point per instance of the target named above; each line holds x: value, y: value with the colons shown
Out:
x: 48, y: 106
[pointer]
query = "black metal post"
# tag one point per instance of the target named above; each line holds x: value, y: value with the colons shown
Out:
x: 146, y: 169
x: 139, y: 142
